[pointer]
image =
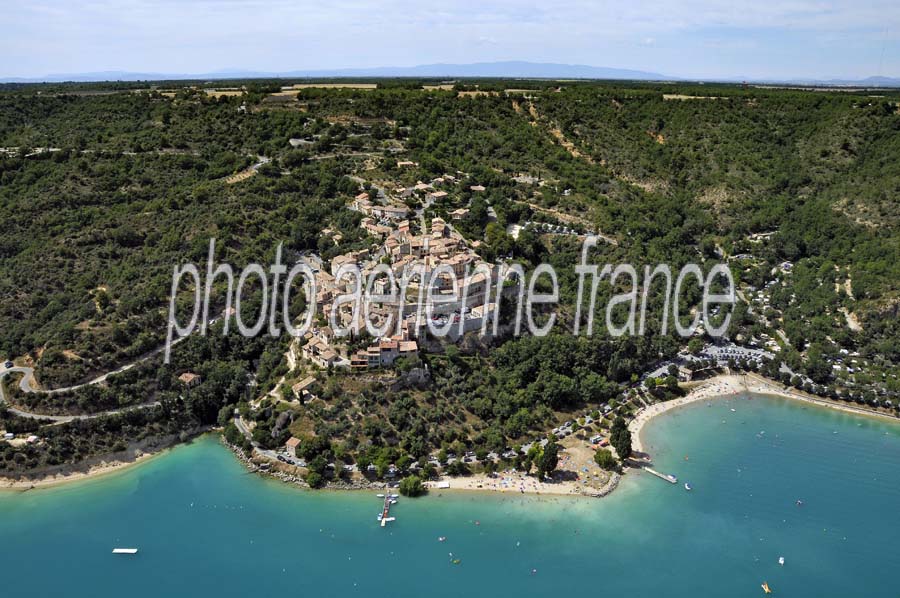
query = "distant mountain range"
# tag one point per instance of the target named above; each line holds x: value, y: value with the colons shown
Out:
x: 508, y: 69
x: 513, y: 69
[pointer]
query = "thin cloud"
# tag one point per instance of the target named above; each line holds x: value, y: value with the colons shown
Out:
x: 53, y: 36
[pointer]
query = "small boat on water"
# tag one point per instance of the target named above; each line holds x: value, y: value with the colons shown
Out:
x: 125, y: 550
x: 688, y: 487
x: 781, y: 561
x: 765, y: 587
x: 671, y: 478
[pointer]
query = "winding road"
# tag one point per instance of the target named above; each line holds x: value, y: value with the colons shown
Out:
x: 25, y: 384
x: 30, y: 385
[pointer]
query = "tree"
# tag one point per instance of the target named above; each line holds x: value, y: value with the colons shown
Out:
x: 226, y: 415
x: 412, y: 486
x: 695, y: 345
x: 318, y: 465
x: 549, y: 460
x: 605, y: 460
x: 232, y: 434
x: 620, y: 437
x: 315, y: 479
x: 817, y: 367
x: 672, y: 383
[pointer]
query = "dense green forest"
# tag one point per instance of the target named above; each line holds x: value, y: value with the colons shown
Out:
x: 106, y: 187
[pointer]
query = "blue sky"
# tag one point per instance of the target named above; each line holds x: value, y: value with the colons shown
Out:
x: 692, y: 38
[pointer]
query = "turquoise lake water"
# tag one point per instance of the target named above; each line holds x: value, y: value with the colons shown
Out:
x: 205, y: 527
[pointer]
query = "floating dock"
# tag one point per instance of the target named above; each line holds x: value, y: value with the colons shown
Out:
x: 663, y: 476
x: 385, y: 511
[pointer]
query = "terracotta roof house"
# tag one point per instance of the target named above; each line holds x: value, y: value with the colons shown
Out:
x: 303, y: 390
x: 190, y: 379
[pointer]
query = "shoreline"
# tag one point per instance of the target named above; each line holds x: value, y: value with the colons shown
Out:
x: 726, y: 385
x: 102, y: 469
x: 98, y: 467
x: 508, y: 482
x: 715, y: 387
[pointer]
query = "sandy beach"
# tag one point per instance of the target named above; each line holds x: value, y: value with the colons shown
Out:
x: 731, y: 384
x: 719, y: 386
x: 576, y: 475
x: 506, y: 481
x: 68, y: 476
x: 136, y: 454
x: 516, y: 482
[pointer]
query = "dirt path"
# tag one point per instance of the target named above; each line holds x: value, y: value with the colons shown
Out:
x: 569, y: 146
x: 247, y: 172
x: 557, y: 134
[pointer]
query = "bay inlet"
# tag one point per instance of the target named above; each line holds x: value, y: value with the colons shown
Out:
x: 204, y: 526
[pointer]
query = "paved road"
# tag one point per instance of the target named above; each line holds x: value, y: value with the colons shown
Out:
x: 243, y: 429
x: 25, y: 385
x: 29, y: 384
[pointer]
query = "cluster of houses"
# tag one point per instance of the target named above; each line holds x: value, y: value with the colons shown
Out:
x: 435, y: 280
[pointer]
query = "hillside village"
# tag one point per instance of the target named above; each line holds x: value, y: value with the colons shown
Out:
x: 451, y: 284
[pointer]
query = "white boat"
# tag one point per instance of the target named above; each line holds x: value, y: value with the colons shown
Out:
x: 781, y: 560
x: 687, y: 487
x: 125, y: 550
x: 380, y: 495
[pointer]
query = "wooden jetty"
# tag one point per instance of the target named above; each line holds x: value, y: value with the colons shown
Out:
x: 663, y: 476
